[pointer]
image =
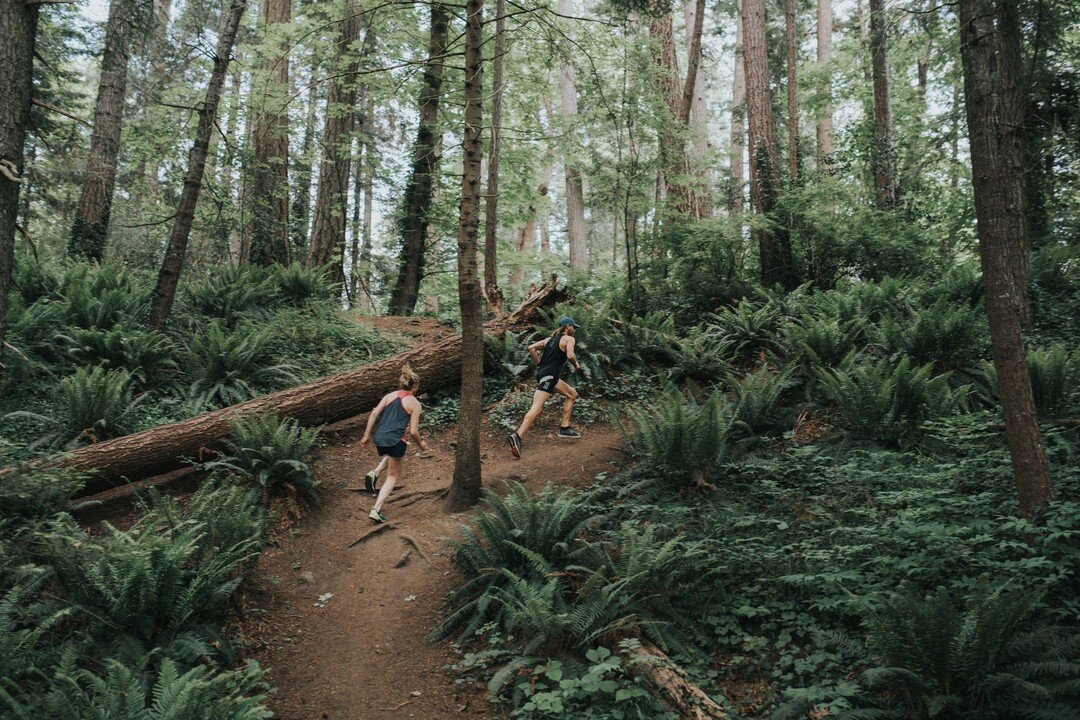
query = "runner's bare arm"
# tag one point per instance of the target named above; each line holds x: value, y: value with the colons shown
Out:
x: 415, y: 408
x: 535, y: 348
x: 570, y: 353
x: 373, y: 416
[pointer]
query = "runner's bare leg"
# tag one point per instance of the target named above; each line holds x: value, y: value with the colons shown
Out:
x: 568, y: 407
x: 539, y: 398
x: 392, y: 474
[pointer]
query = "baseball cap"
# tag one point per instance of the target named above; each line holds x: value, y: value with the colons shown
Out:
x: 568, y: 321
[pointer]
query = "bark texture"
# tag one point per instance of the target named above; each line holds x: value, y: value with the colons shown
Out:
x: 466, y: 488
x: 994, y: 96
x: 670, y: 685
x: 774, y: 245
x: 575, y: 195
x: 425, y: 163
x: 882, y: 153
x: 327, y: 400
x: 792, y: 92
x: 90, y: 230
x: 171, y: 266
x: 18, y: 26
x: 491, y: 205
x: 738, y: 123
x: 269, y: 192
x: 327, y: 246
x: 824, y: 57
x: 699, y: 120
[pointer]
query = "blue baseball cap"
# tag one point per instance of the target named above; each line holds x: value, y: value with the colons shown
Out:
x: 568, y: 321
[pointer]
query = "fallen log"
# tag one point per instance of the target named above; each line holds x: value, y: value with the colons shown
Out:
x: 333, y: 398
x: 669, y: 684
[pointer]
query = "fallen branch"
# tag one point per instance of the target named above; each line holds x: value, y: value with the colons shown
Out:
x: 407, y: 539
x: 670, y: 685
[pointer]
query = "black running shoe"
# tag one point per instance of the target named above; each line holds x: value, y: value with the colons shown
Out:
x: 369, y: 482
x: 569, y: 432
x: 515, y: 443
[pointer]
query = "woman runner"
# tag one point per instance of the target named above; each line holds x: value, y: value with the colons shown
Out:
x: 398, y: 417
x: 557, y: 349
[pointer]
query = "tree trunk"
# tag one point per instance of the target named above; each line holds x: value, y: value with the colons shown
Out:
x: 491, y: 218
x: 357, y: 230
x: 269, y: 193
x: 792, y: 94
x: 824, y: 58
x: 674, y: 160
x: 300, y: 212
x: 365, y: 246
x: 89, y: 232
x: 698, y: 117
x: 418, y: 190
x: 526, y: 236
x: 575, y: 196
x: 327, y: 247
x: 994, y: 96
x: 882, y: 154
x: 18, y: 26
x: 323, y: 401
x: 774, y: 245
x: 169, y: 275
x: 670, y: 686
x: 467, y: 485
x: 738, y: 118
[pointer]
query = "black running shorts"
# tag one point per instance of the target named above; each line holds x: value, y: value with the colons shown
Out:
x: 547, y: 383
x: 394, y: 451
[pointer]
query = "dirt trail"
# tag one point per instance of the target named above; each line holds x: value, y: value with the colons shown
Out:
x: 364, y: 654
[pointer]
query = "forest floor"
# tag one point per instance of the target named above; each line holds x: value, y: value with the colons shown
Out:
x: 339, y: 609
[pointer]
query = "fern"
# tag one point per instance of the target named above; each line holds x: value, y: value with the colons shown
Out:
x: 299, y: 285
x: 888, y: 403
x: 229, y: 367
x: 951, y: 336
x: 971, y: 659
x: 230, y: 293
x: 272, y: 454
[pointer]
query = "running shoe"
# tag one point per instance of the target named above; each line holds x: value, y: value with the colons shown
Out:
x: 569, y: 432
x: 369, y: 482
x: 515, y: 443
x: 377, y: 516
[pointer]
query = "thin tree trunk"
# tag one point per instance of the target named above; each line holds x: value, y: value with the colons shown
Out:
x: 491, y: 218
x: 575, y: 196
x: 327, y: 247
x: 738, y: 121
x: 365, y: 246
x: 231, y: 132
x: 89, y: 232
x: 994, y: 97
x: 824, y: 58
x: 792, y: 94
x: 169, y: 275
x: 18, y: 26
x: 467, y: 484
x: 699, y: 120
x: 300, y: 213
x: 774, y: 245
x: 354, y: 223
x: 882, y: 155
x: 269, y: 193
x: 418, y: 190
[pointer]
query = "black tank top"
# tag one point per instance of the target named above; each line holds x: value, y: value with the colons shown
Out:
x: 552, y: 359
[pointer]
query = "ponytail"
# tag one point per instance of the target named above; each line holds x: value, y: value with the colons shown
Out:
x: 409, y: 380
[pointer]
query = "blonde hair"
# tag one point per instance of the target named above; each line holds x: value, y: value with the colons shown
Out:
x: 409, y: 380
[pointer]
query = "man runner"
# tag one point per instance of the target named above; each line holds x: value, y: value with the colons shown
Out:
x: 557, y: 349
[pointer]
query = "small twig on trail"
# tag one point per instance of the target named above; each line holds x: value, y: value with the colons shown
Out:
x: 408, y: 540
x: 372, y: 533
x: 404, y: 559
x: 399, y: 706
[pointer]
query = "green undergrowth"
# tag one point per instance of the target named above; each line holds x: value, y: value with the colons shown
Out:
x: 770, y: 589
x: 85, y: 367
x: 127, y: 623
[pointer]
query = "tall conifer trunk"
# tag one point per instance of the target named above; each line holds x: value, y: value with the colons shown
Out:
x: 738, y: 122
x: 467, y: 484
x: 824, y: 57
x: 995, y: 103
x: 89, y: 232
x: 491, y: 208
x: 882, y: 154
x: 420, y: 186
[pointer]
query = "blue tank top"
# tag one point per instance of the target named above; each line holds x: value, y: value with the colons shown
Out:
x: 393, y: 422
